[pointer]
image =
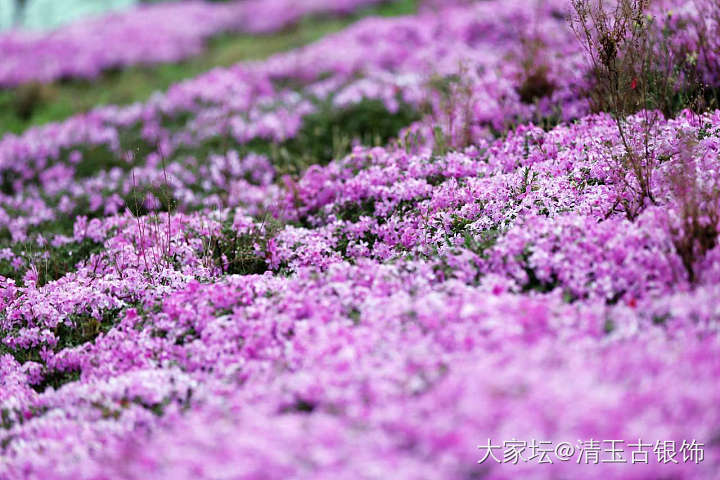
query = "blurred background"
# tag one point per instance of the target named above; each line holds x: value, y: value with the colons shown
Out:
x: 62, y: 57
x: 48, y: 14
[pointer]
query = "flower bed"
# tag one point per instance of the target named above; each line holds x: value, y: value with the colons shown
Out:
x: 222, y: 283
x: 150, y: 34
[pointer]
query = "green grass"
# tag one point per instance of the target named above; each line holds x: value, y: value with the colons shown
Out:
x: 55, y: 263
x: 36, y: 104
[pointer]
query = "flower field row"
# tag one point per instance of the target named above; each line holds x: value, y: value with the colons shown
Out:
x: 144, y: 35
x: 223, y: 283
x: 64, y: 169
x: 398, y: 295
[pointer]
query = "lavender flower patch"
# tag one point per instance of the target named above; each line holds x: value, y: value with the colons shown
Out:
x: 147, y: 34
x: 409, y: 250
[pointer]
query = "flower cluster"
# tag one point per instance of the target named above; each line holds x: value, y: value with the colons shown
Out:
x: 176, y: 302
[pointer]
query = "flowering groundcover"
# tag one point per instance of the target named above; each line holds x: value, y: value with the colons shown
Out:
x: 230, y: 281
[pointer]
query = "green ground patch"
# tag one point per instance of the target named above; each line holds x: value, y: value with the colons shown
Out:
x: 51, y: 262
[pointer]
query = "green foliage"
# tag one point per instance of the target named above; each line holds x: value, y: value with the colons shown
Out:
x: 534, y: 283
x: 84, y: 328
x: 453, y: 117
x: 330, y: 132
x: 300, y: 406
x: 608, y: 326
x: 187, y: 336
x: 241, y: 253
x: 51, y: 262
x: 135, y: 199
x: 352, y: 211
x: 77, y: 330
x: 56, y: 379
x: 482, y: 243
